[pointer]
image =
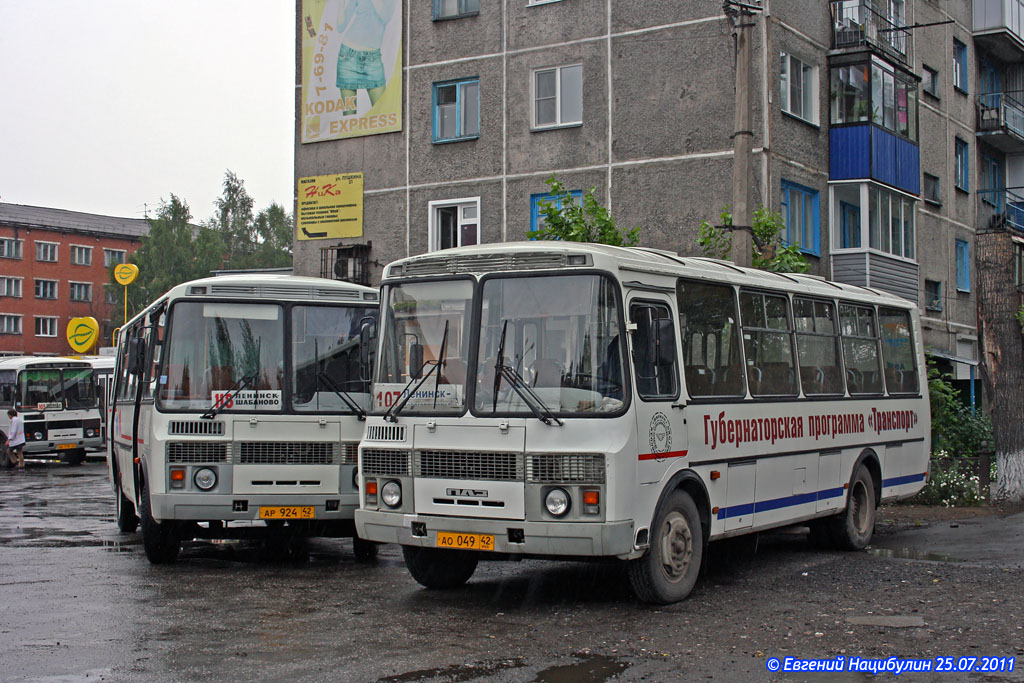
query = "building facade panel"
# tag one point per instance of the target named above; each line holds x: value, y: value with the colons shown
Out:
x: 430, y: 41
x: 535, y: 24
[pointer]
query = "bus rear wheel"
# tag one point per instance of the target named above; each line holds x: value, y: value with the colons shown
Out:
x: 852, y: 530
x: 159, y: 539
x: 127, y: 521
x: 669, y: 570
x: 439, y: 569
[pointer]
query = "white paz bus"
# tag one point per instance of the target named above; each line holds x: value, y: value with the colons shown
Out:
x: 576, y: 400
x: 237, y: 409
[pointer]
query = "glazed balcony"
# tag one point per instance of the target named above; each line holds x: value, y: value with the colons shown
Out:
x: 999, y: 28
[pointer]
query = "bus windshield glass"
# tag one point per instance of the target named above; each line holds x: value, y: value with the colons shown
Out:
x: 425, y: 322
x: 79, y: 388
x: 326, y: 371
x: 56, y: 389
x: 561, y: 337
x: 228, y: 354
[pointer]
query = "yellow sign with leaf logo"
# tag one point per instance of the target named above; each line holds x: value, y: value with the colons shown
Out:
x: 83, y: 333
x: 126, y: 273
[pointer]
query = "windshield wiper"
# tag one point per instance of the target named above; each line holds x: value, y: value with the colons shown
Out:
x: 392, y: 414
x: 440, y: 361
x: 534, y: 402
x: 342, y: 394
x: 238, y: 386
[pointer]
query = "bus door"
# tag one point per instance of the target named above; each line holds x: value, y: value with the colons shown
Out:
x: 661, y: 433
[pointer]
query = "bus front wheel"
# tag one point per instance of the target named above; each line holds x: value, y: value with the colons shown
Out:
x: 127, y: 521
x: 159, y: 539
x: 669, y: 570
x: 852, y: 530
x: 437, y: 568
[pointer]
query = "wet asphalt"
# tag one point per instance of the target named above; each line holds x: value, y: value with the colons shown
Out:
x: 80, y: 602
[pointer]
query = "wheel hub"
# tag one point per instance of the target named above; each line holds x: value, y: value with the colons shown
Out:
x: 676, y: 546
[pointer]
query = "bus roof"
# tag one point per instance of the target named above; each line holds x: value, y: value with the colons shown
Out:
x: 22, y: 362
x: 634, y: 265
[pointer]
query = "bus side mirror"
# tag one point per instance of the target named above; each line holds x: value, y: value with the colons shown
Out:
x: 136, y: 355
x: 664, y: 342
x: 367, y: 337
x: 415, y: 360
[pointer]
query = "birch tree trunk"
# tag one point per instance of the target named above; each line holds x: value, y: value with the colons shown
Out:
x: 1002, y: 358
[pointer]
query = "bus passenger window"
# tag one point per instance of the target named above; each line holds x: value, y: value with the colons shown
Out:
x: 767, y: 341
x: 860, y: 349
x: 817, y: 345
x: 654, y: 352
x: 707, y: 319
x: 897, y: 351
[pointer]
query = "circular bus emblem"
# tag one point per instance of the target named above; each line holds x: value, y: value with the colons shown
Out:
x: 660, y: 434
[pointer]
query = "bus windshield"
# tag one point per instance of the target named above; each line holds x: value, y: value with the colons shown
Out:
x: 327, y: 374
x: 56, y: 389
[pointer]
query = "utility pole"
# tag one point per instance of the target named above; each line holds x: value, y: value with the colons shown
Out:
x: 742, y: 16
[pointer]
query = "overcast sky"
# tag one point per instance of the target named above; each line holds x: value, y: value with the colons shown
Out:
x: 109, y: 105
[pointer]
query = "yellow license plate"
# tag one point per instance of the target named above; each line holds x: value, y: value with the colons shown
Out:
x: 65, y: 446
x: 287, y: 512
x: 447, y: 539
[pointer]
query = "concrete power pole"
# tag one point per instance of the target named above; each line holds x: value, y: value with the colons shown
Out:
x: 742, y: 15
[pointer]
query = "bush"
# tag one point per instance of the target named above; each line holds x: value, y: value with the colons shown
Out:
x: 952, y: 482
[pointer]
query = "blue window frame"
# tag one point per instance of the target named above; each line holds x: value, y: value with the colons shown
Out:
x: 536, y: 219
x: 801, y: 213
x: 849, y: 237
x: 959, y: 66
x: 963, y: 165
x: 456, y: 110
x: 453, y: 9
x: 963, y: 266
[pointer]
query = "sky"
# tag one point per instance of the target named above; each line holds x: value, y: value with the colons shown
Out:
x: 110, y: 106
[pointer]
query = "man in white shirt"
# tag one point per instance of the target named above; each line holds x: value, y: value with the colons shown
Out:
x: 16, y: 439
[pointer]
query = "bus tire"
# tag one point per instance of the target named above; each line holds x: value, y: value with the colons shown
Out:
x: 439, y: 569
x: 852, y: 529
x: 365, y: 551
x: 127, y: 521
x: 670, y: 568
x: 159, y: 539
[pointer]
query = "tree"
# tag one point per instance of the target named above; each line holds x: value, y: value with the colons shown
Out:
x: 769, y: 250
x: 571, y: 221
x: 1002, y: 368
x: 261, y: 242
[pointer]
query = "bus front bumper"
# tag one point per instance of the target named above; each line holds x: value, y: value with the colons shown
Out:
x: 514, y: 537
x: 53, y: 448
x: 199, y: 507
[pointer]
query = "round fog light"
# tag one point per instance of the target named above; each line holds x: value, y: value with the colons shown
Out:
x: 205, y: 479
x: 557, y: 502
x: 39, y: 436
x: 391, y: 494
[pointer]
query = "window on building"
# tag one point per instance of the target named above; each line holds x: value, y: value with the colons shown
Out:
x: 112, y: 256
x: 80, y: 291
x: 453, y: 9
x: 558, y: 96
x: 81, y: 256
x: 109, y: 294
x: 10, y: 248
x: 932, y: 295
x: 932, y: 189
x: 800, y: 212
x: 46, y: 289
x: 46, y: 251
x: 46, y: 326
x: 877, y: 93
x: 963, y: 165
x: 851, y: 94
x: 454, y: 223
x: 456, y: 110
x: 891, y: 223
x: 799, y: 88
x: 537, y: 221
x: 10, y: 324
x: 851, y: 222
x: 959, y: 66
x: 929, y: 80
x: 963, y: 266
x: 10, y: 286
x: 531, y: 3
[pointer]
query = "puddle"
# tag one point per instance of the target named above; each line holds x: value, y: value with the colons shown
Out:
x: 913, y: 554
x: 590, y: 669
x: 459, y: 672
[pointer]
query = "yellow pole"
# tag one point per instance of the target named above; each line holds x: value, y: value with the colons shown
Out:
x: 126, y: 304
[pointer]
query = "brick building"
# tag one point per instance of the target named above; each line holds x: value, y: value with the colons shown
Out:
x: 54, y: 267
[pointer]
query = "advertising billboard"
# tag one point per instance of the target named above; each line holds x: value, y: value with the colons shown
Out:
x: 330, y: 206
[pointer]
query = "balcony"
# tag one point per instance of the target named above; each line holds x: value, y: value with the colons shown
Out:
x: 861, y: 23
x: 1001, y: 120
x: 1000, y: 208
x: 999, y: 28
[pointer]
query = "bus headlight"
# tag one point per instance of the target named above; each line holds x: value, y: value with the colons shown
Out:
x: 557, y: 502
x: 38, y: 436
x: 205, y: 479
x: 391, y: 494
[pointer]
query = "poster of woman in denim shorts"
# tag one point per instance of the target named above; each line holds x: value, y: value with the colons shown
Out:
x: 352, y: 68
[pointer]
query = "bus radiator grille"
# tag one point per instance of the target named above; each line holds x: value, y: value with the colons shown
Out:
x: 384, y: 462
x: 565, y: 468
x: 385, y: 433
x: 469, y: 465
x: 284, y: 453
x: 196, y: 451
x: 349, y: 453
x: 190, y: 427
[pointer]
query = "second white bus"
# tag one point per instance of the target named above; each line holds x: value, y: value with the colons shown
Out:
x: 573, y: 400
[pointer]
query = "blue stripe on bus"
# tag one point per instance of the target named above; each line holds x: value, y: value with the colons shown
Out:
x: 803, y: 498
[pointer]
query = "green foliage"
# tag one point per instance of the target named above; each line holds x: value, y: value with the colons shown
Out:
x: 570, y: 221
x: 951, y: 482
x: 1020, y: 318
x: 772, y: 254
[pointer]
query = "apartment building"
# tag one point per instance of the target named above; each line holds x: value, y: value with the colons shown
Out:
x: 887, y: 133
x: 54, y: 267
